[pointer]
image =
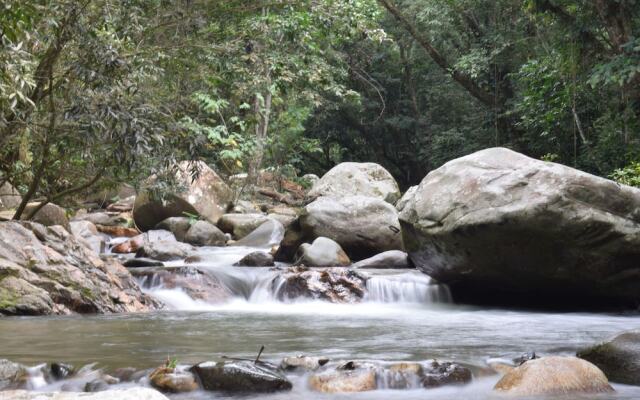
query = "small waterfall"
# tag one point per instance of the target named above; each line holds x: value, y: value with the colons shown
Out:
x: 408, y: 287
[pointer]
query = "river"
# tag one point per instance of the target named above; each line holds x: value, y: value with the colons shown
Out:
x: 404, y: 318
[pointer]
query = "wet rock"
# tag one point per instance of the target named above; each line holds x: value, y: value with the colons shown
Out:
x: 129, y: 246
x: 96, y: 385
x: 207, y: 196
x: 323, y: 252
x: 285, y: 220
x: 87, y: 233
x: 49, y: 215
x: 304, y: 363
x: 256, y: 259
x: 46, y: 270
x: 267, y: 235
x: 9, y: 197
x: 403, y: 376
x: 445, y: 373
x: 337, y: 285
x: 142, y: 263
x: 240, y: 225
x: 553, y: 376
x: 203, y: 233
x: 11, y: 374
x: 179, y: 226
x: 60, y: 371
x: 357, y: 179
x: 344, y: 381
x: 363, y: 226
x: 162, y: 246
x: 102, y: 218
x: 194, y: 282
x: 618, y: 358
x: 118, y: 231
x: 127, y: 374
x: 172, y: 380
x: 121, y: 394
x: 240, y: 376
x: 389, y: 259
x: 499, y: 226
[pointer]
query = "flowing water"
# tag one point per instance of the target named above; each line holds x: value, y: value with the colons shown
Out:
x: 404, y: 317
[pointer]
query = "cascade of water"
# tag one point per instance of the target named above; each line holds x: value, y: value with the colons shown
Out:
x: 407, y: 287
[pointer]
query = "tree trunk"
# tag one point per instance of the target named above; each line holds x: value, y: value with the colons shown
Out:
x: 262, y: 108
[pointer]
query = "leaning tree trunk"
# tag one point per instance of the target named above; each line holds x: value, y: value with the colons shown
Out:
x: 262, y: 108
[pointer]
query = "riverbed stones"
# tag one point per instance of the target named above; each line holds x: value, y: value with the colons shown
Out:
x: 336, y: 285
x: 173, y: 380
x: 164, y: 250
x: 498, y: 226
x: 208, y: 196
x: 194, y: 282
x: 179, y: 226
x: 119, y: 394
x: 88, y: 234
x: 203, y: 233
x: 323, y: 252
x: 46, y: 270
x: 240, y: 225
x: 618, y: 358
x: 344, y: 381
x: 102, y: 218
x: 363, y: 226
x: 256, y: 259
x: 240, y: 376
x: 392, y: 259
x: 267, y: 235
x: 11, y: 374
x: 553, y: 376
x: 362, y: 179
x: 445, y: 373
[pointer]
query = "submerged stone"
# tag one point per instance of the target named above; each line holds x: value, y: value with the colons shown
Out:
x: 618, y: 358
x: 240, y: 376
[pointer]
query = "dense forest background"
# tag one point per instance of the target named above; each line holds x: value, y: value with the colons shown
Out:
x: 101, y: 92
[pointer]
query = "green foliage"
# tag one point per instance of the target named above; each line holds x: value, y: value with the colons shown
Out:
x: 629, y: 175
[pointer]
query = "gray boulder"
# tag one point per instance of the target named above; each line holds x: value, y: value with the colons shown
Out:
x: 618, y: 358
x: 11, y: 374
x: 208, y: 196
x: 49, y: 215
x: 203, y: 233
x: 88, y: 234
x: 256, y: 259
x: 497, y: 225
x: 119, y: 394
x: 240, y: 225
x: 164, y: 250
x: 102, y: 218
x: 240, y: 376
x: 363, y: 226
x: 267, y: 235
x: 357, y: 179
x: 389, y: 259
x: 406, y: 197
x: 323, y: 252
x: 179, y: 226
x: 336, y: 285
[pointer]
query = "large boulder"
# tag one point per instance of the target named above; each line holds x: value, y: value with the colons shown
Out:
x: 164, y: 250
x: 179, y: 226
x: 203, y: 233
x: 9, y: 197
x: 497, y: 225
x: 240, y: 225
x: 554, y: 376
x: 241, y: 376
x: 49, y: 215
x: 357, y: 179
x: 618, y: 358
x: 363, y: 226
x: 322, y: 252
x: 207, y: 196
x: 391, y: 259
x: 46, y: 270
x: 119, y: 394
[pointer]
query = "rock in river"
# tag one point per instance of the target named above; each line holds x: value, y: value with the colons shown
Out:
x: 121, y: 394
x: 179, y: 226
x: 389, y: 259
x: 322, y: 252
x: 240, y: 376
x: 256, y: 259
x: 499, y: 226
x: 269, y: 234
x: 362, y: 179
x: 45, y: 270
x: 173, y: 380
x: 203, y: 233
x: 337, y: 285
x: 618, y: 358
x: 240, y: 225
x: 554, y: 376
x: 344, y: 380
